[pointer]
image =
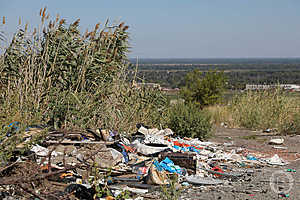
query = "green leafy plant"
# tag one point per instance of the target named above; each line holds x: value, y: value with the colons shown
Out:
x: 170, y: 191
x: 188, y: 120
x: 123, y: 195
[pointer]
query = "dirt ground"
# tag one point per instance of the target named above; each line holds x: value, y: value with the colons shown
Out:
x: 261, y: 182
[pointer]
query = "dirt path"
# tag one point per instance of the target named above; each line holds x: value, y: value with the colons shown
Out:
x: 257, y: 184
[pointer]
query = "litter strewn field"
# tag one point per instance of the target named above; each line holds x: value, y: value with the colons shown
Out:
x: 153, y: 164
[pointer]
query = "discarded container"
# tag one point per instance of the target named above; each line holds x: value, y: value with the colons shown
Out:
x: 185, y: 184
x: 136, y: 190
x: 185, y: 160
x: 143, y: 130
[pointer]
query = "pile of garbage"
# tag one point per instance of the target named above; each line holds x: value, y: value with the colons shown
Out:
x: 101, y: 163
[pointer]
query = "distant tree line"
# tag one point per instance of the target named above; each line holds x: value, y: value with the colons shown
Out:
x: 172, y: 76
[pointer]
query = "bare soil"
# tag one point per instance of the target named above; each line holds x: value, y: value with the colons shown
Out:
x: 259, y: 184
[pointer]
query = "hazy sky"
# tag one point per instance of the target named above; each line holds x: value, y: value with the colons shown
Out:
x: 182, y: 28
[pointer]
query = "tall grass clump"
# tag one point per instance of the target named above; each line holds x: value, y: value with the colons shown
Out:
x: 221, y: 114
x: 54, y: 74
x: 266, y: 109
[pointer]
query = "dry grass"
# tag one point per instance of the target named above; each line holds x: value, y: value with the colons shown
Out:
x: 261, y: 110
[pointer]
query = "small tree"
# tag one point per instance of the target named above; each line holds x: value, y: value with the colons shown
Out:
x: 203, y: 88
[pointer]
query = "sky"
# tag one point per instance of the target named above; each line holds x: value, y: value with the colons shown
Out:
x: 181, y: 28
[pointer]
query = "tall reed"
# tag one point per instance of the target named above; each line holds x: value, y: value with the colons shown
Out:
x: 261, y: 110
x: 55, y: 75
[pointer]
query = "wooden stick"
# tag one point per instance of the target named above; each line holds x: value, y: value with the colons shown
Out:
x: 77, y: 142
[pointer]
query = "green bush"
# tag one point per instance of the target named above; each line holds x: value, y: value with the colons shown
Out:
x: 188, y: 120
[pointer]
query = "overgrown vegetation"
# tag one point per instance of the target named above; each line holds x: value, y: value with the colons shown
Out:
x: 261, y: 110
x: 171, y: 191
x: 55, y: 75
x: 188, y: 120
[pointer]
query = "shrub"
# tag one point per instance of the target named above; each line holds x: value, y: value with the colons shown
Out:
x: 203, y: 89
x: 188, y: 120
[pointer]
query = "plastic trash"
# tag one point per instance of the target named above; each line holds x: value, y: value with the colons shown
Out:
x: 228, y: 144
x: 14, y: 127
x: 155, y: 139
x: 169, y: 166
x: 116, y: 154
x: 185, y: 184
x: 148, y: 149
x: 291, y: 170
x: 276, y: 160
x: 136, y: 190
x: 106, y: 135
x: 124, y: 153
x: 280, y: 147
x: 143, y: 130
x: 250, y: 157
x: 81, y: 191
x: 140, y: 170
x: 217, y: 169
x: 42, y: 151
x: 282, y: 194
x: 278, y: 141
x: 196, y: 180
x: 156, y: 177
x: 157, y: 165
